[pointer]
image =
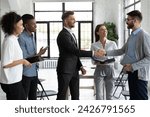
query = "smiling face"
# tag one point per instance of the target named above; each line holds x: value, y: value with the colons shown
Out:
x: 70, y: 21
x: 102, y: 32
x: 31, y: 25
x: 18, y: 27
x: 130, y: 22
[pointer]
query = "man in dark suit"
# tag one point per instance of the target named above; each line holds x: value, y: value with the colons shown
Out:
x: 69, y: 63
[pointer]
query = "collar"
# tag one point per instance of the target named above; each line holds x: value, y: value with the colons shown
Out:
x: 107, y: 41
x: 13, y: 36
x: 136, y: 31
x: 68, y: 29
x: 26, y: 33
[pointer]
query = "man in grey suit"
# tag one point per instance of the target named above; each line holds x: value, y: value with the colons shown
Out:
x: 69, y: 63
x: 136, y: 61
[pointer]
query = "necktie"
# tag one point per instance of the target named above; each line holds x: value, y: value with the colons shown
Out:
x: 75, y: 40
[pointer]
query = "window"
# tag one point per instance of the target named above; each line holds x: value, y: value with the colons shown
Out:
x: 130, y: 5
x: 49, y: 24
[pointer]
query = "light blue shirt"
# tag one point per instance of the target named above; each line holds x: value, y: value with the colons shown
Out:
x: 130, y: 56
x: 142, y: 53
x: 27, y: 44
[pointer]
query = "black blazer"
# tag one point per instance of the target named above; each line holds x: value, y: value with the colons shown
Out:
x: 69, y: 53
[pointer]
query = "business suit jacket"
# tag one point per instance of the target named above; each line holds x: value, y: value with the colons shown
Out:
x: 69, y: 53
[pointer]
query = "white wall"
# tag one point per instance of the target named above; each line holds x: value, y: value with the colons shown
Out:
x: 4, y: 8
x: 19, y: 6
x: 109, y: 11
x: 145, y: 4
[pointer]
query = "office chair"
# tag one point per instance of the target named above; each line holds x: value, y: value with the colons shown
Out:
x: 120, y: 82
x: 44, y: 93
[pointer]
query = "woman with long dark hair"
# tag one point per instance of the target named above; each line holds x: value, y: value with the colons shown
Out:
x: 104, y: 72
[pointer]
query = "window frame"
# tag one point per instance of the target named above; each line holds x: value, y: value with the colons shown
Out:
x: 63, y: 10
x: 125, y: 8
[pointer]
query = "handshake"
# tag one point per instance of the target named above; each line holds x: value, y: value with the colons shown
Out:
x: 100, y: 53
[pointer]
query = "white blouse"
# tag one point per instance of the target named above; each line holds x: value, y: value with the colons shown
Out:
x: 11, y: 51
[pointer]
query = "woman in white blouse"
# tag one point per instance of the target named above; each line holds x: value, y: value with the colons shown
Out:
x: 12, y: 58
x: 104, y: 72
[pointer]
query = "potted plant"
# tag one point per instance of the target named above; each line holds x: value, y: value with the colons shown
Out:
x: 112, y: 35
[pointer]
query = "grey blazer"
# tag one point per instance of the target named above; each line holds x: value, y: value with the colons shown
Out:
x: 142, y: 55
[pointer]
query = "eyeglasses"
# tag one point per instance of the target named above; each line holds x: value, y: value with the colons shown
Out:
x: 128, y: 19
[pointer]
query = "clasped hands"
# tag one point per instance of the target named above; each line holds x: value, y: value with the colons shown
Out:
x: 100, y: 53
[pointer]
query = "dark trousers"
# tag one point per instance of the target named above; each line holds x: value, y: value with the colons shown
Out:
x: 137, y: 87
x: 14, y: 91
x: 30, y: 87
x: 66, y: 80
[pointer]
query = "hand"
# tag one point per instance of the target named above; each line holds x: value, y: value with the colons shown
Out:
x: 26, y: 63
x: 100, y: 53
x: 128, y: 67
x: 42, y: 51
x: 83, y: 71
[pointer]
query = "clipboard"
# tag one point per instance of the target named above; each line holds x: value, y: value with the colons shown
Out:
x: 105, y: 61
x: 34, y: 59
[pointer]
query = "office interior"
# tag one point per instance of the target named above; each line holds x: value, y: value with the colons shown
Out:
x: 88, y: 14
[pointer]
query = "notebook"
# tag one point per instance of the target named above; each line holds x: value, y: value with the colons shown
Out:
x: 34, y: 59
x: 105, y: 61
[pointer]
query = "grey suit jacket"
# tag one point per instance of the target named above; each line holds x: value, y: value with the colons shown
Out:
x: 142, y: 55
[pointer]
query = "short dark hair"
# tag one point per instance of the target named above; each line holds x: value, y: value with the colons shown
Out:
x: 67, y: 14
x: 96, y: 30
x: 8, y: 21
x: 136, y: 14
x: 26, y: 18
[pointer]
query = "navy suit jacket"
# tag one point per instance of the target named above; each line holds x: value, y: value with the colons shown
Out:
x: 69, y: 53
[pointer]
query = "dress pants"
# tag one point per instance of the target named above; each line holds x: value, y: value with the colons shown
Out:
x: 65, y: 81
x: 138, y: 88
x: 30, y: 87
x: 14, y: 91
x: 104, y: 80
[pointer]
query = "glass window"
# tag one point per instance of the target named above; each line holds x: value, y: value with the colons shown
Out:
x: 41, y: 34
x: 55, y: 28
x: 78, y: 6
x: 48, y: 16
x: 48, y: 6
x: 137, y: 0
x: 86, y: 36
x: 128, y: 10
x: 129, y: 2
x: 50, y: 13
x: 130, y: 5
x: 138, y: 6
x: 83, y: 16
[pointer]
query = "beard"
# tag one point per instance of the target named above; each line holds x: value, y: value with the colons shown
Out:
x: 72, y: 26
x: 130, y: 26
